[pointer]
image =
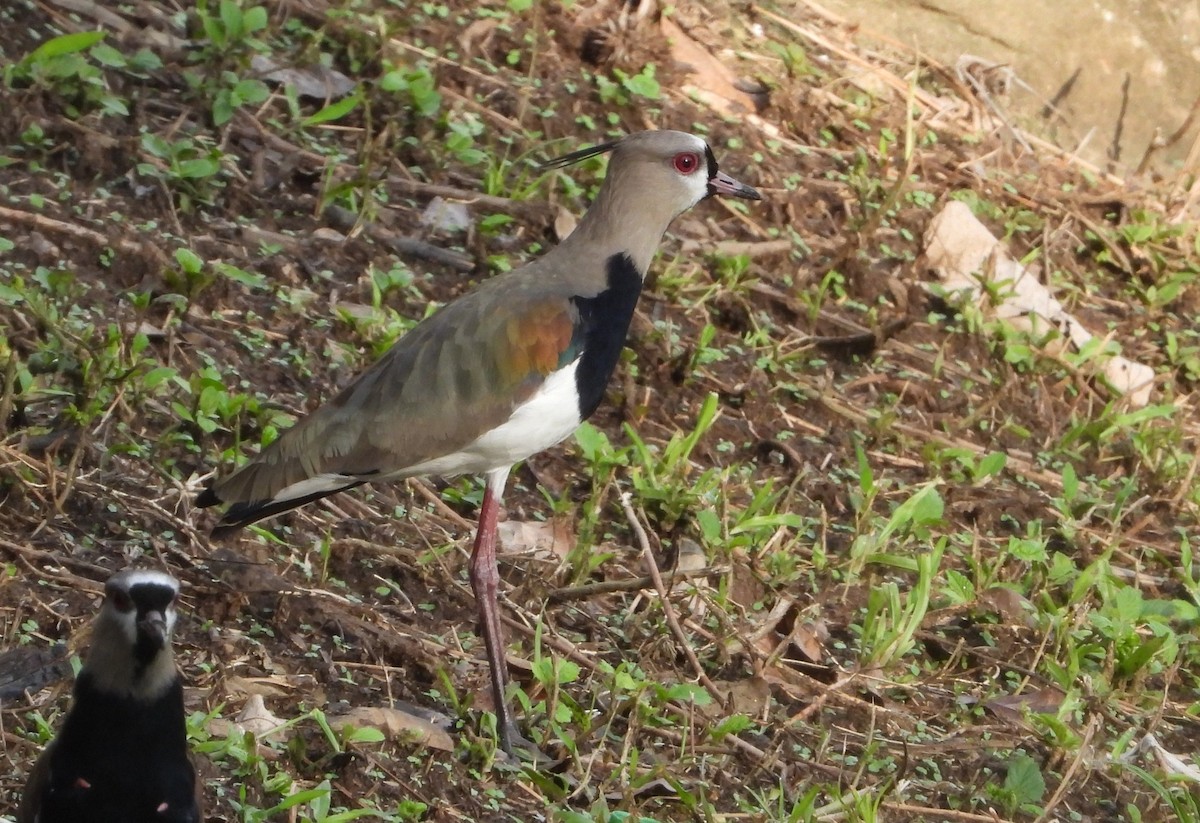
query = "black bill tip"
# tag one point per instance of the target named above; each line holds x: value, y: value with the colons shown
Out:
x: 721, y: 183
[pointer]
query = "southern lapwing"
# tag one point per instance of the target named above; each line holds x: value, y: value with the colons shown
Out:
x: 497, y: 375
x: 122, y: 753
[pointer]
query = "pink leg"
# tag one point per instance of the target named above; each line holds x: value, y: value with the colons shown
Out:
x: 485, y: 582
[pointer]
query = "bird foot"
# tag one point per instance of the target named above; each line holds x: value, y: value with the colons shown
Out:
x: 521, y: 749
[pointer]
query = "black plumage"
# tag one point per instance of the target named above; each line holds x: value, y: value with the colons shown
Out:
x: 122, y: 755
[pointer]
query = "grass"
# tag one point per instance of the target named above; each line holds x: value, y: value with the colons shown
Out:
x: 943, y: 572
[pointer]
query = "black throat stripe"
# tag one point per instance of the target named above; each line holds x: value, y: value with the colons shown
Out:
x: 601, y: 330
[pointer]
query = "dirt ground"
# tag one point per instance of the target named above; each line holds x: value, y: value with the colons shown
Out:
x: 314, y: 255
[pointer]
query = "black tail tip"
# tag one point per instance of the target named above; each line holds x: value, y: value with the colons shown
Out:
x: 229, y: 522
x: 207, y: 498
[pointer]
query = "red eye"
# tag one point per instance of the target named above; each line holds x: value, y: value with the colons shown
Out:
x: 687, y: 162
x: 121, y: 601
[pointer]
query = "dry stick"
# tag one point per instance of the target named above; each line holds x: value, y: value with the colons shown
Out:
x: 733, y: 740
x: 668, y: 610
x: 437, y: 58
x: 832, y: 691
x: 929, y: 812
x: 411, y: 186
x: 49, y: 224
x: 62, y: 560
x: 632, y: 584
x: 8, y: 384
x: 1114, y: 148
x: 1190, y: 166
x: 1188, y: 478
x: 1065, y: 783
x: 559, y: 644
x: 422, y: 490
x: 1170, y: 140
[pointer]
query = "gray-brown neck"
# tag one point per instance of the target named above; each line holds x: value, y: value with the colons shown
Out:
x: 115, y: 669
x: 625, y: 218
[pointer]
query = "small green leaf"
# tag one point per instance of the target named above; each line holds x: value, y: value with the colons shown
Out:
x: 108, y: 56
x: 198, y: 168
x: 222, y: 109
x: 251, y: 91
x: 144, y: 60
x: 252, y: 280
x: 213, y: 30
x: 312, y: 796
x: 189, y: 261
x: 688, y: 691
x: 254, y: 19
x: 231, y: 19
x: 366, y: 734
x: 733, y: 724
x: 334, y: 111
x: 644, y: 84
x: 710, y: 525
x: 495, y: 221
x: 393, y: 81
x: 771, y: 521
x: 593, y: 442
x: 65, y: 44
x: 156, y: 377
x: 1025, y: 780
x: 990, y: 464
x: 156, y: 145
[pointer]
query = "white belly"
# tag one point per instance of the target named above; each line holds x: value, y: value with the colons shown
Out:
x: 546, y: 418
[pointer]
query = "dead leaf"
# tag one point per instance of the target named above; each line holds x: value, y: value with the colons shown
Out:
x: 749, y: 696
x: 655, y: 788
x: 1009, y: 604
x: 1012, y: 707
x: 254, y: 718
x: 705, y: 72
x: 398, y: 724
x: 808, y: 638
x: 689, y: 556
x: 745, y: 588
x: 476, y: 36
x: 1171, y: 763
x: 316, y: 82
x: 272, y: 686
x: 966, y: 256
x: 564, y: 224
x: 446, y: 216
x: 327, y: 235
x: 553, y: 536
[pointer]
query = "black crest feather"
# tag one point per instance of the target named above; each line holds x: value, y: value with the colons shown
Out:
x: 576, y: 156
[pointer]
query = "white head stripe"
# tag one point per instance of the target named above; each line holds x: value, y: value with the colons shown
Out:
x: 136, y: 577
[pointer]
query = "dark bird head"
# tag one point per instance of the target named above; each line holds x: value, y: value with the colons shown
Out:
x: 131, y: 639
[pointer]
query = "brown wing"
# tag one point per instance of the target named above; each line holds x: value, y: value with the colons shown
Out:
x: 455, y: 376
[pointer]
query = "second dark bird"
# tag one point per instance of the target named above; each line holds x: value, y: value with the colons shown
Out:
x: 122, y: 755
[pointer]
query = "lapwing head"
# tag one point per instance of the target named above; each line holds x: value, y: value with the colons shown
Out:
x: 653, y: 177
x: 674, y: 169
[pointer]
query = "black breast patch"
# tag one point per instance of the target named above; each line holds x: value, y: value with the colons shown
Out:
x: 603, y: 325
